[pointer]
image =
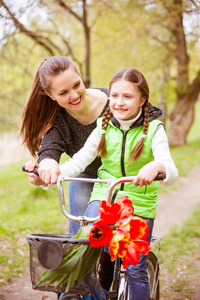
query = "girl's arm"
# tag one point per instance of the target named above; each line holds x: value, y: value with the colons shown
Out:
x: 163, y: 162
x: 161, y: 153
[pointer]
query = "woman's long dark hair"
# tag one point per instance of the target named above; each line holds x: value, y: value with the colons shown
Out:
x: 40, y: 111
x: 135, y: 77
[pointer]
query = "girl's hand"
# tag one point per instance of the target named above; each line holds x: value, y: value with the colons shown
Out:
x: 148, y: 173
x: 49, y: 171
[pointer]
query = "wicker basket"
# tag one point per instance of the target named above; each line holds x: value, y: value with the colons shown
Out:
x: 46, y: 253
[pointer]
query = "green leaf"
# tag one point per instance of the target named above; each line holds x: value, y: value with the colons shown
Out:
x: 83, y: 233
x: 74, y: 275
x: 89, y: 260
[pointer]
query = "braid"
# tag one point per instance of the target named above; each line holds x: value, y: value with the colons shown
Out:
x: 101, y: 148
x: 146, y: 118
x: 137, y: 151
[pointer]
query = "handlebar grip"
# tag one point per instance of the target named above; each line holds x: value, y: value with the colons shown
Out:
x: 35, y: 171
x: 159, y: 177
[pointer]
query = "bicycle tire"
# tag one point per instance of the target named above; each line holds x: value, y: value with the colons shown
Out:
x: 153, y: 274
x: 116, y: 279
x: 123, y: 288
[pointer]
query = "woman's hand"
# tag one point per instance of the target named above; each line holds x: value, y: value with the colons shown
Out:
x: 49, y: 171
x: 148, y: 173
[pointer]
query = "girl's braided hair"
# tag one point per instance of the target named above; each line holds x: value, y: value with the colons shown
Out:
x: 139, y: 80
x: 101, y: 148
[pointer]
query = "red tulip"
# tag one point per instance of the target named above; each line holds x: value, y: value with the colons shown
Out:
x: 100, y: 234
x: 134, y: 248
x: 110, y: 213
x: 117, y: 246
x: 134, y: 227
x: 127, y: 208
x: 127, y: 249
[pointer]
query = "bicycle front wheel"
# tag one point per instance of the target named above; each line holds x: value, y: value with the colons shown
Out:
x: 153, y: 274
x: 123, y: 288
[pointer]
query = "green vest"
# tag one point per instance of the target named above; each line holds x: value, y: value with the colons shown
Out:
x: 119, y: 145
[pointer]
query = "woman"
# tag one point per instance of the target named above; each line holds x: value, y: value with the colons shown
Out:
x: 58, y: 117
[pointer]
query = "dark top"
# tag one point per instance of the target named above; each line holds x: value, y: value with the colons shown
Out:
x: 68, y: 136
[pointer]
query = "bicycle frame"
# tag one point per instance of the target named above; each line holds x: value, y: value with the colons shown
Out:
x: 84, y: 220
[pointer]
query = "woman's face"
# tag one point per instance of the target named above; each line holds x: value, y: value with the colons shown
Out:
x: 125, y: 100
x: 68, y: 89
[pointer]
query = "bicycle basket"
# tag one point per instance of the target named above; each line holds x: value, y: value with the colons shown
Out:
x: 46, y: 254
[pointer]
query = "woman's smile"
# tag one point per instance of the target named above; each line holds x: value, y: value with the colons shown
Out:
x: 76, y: 101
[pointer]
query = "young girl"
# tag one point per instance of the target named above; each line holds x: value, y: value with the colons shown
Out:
x: 131, y: 141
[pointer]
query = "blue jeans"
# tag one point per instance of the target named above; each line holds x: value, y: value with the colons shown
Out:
x: 79, y: 194
x: 137, y: 275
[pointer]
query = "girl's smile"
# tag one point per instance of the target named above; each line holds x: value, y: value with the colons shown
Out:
x: 125, y: 99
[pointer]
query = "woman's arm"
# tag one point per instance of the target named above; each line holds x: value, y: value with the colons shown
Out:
x: 53, y: 144
x: 79, y: 161
x: 83, y: 157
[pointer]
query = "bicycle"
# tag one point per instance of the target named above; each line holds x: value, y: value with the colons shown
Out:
x: 46, y: 252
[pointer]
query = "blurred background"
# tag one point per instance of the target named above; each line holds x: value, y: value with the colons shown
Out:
x: 162, y: 40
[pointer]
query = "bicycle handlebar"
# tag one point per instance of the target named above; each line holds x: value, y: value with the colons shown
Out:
x: 35, y: 171
x: 83, y: 220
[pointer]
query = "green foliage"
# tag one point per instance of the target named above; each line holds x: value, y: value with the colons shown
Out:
x: 135, y: 41
x: 18, y: 64
x: 25, y: 209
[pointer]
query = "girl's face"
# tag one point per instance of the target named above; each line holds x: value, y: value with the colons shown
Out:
x: 125, y: 100
x: 67, y: 88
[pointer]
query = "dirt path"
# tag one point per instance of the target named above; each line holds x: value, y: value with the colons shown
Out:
x: 173, y: 209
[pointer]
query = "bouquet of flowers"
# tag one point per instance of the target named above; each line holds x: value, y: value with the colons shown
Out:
x: 118, y: 228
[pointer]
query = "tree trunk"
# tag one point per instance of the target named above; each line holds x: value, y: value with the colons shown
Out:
x: 180, y: 124
x: 182, y: 117
x: 87, y: 79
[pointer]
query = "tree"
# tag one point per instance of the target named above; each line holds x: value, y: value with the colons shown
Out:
x: 51, y: 38
x: 176, y: 42
x: 152, y: 36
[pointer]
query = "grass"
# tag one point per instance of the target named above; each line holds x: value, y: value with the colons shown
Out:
x: 28, y: 209
x: 24, y: 209
x: 180, y: 260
